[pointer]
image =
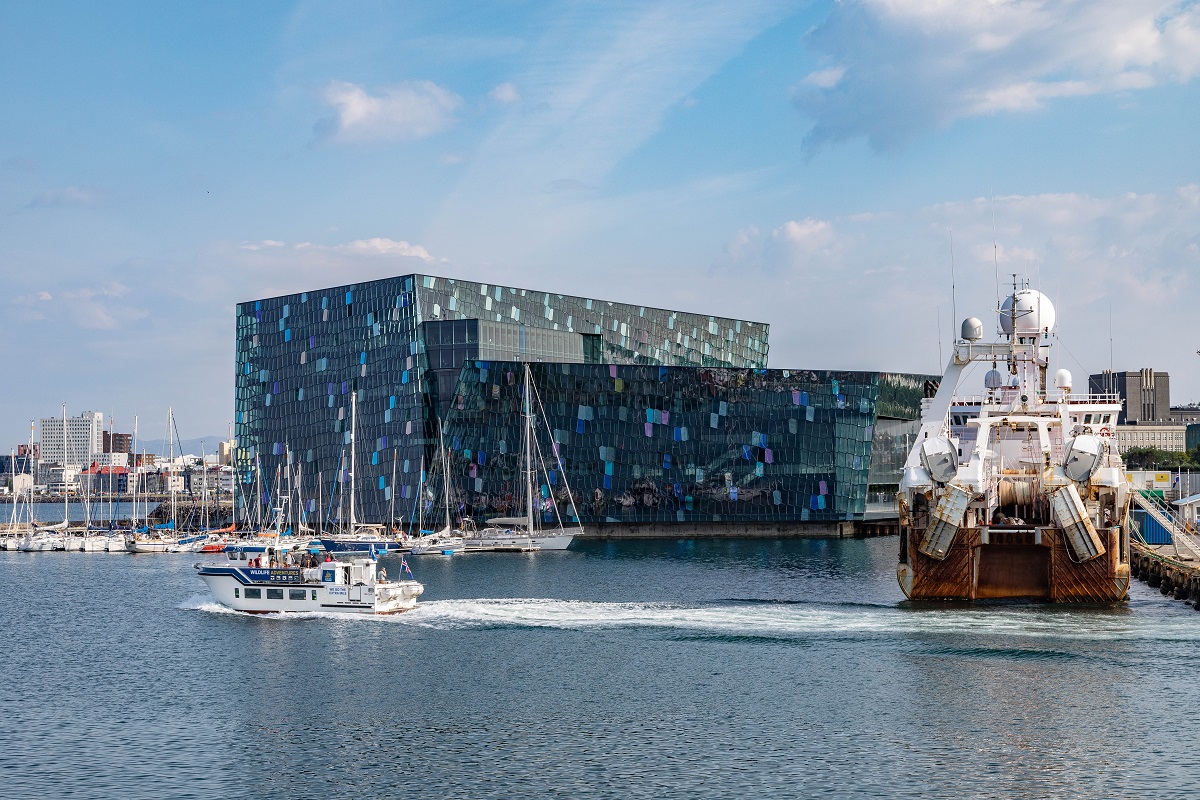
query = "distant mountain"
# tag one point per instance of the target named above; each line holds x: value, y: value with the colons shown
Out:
x: 189, y: 447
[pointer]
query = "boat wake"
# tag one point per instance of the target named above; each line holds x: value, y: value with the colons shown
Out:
x: 770, y: 621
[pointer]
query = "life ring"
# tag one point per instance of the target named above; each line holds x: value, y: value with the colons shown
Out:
x: 1105, y: 431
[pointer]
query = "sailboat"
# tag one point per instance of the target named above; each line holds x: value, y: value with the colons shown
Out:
x: 358, y: 538
x: 447, y: 541
x: 161, y: 539
x: 528, y: 532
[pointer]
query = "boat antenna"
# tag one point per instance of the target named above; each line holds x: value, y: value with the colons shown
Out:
x: 941, y: 362
x: 995, y: 251
x: 953, y: 298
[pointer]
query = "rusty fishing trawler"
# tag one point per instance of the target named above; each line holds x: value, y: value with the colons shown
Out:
x: 1019, y: 492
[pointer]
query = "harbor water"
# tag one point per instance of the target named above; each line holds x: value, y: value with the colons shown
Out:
x: 636, y: 669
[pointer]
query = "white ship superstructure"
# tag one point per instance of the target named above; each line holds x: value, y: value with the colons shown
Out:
x: 1020, y: 491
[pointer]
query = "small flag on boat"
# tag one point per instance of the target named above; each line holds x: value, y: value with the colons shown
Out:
x: 404, y: 567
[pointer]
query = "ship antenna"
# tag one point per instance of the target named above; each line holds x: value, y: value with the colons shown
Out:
x: 953, y: 300
x: 995, y: 251
x: 1111, y: 375
x: 941, y: 363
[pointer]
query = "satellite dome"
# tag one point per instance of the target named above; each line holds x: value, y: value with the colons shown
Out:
x: 972, y: 329
x: 1034, y: 313
x: 993, y: 379
x: 1062, y: 379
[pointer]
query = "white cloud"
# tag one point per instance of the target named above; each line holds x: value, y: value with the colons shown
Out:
x: 794, y: 245
x: 825, y: 78
x: 66, y: 196
x: 505, y: 93
x: 379, y: 246
x: 375, y: 246
x: 410, y: 110
x: 884, y: 279
x: 905, y: 67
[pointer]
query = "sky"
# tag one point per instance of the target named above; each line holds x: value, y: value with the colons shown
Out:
x: 861, y: 175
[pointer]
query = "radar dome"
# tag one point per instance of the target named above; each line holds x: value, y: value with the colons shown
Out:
x: 1062, y: 379
x: 993, y: 380
x: 1033, y: 313
x: 972, y: 329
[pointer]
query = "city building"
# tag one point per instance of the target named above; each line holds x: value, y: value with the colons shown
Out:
x: 33, y: 451
x: 654, y: 444
x: 620, y: 382
x: 98, y: 480
x: 1185, y: 414
x: 113, y: 459
x: 59, y: 479
x: 1167, y: 436
x: 117, y: 442
x: 72, y: 441
x: 1145, y: 393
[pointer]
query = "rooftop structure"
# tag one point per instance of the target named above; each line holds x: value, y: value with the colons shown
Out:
x: 1146, y: 394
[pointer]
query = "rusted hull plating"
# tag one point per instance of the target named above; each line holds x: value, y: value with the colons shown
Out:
x: 1020, y: 563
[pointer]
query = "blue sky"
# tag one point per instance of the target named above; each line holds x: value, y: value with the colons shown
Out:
x: 802, y: 164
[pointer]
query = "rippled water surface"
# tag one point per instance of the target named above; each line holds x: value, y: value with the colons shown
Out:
x: 663, y: 669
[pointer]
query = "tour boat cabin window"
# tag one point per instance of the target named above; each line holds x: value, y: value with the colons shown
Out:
x: 296, y: 594
x: 314, y: 591
x: 236, y: 592
x: 274, y: 594
x: 253, y: 593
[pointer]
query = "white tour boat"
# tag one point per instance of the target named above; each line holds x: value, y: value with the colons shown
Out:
x: 358, y: 586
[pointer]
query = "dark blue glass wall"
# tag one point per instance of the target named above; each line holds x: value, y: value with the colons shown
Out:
x: 671, y: 444
x: 299, y: 356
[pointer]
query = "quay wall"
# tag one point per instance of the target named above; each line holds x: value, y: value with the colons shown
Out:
x: 735, y: 530
x: 1162, y: 569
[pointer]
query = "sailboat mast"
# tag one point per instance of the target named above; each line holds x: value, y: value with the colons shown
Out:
x: 137, y: 468
x: 392, y: 506
x: 445, y: 472
x: 258, y: 491
x: 528, y: 453
x: 353, y: 419
x: 171, y: 461
x: 66, y: 512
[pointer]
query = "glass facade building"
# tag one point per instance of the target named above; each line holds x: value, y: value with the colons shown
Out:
x: 400, y: 344
x: 657, y: 444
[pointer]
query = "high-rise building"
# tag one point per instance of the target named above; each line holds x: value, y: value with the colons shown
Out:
x: 73, y: 441
x: 1145, y: 393
x: 418, y: 351
x: 117, y: 442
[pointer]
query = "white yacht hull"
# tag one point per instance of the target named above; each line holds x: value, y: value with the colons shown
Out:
x: 148, y: 545
x: 514, y: 541
x: 230, y: 589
